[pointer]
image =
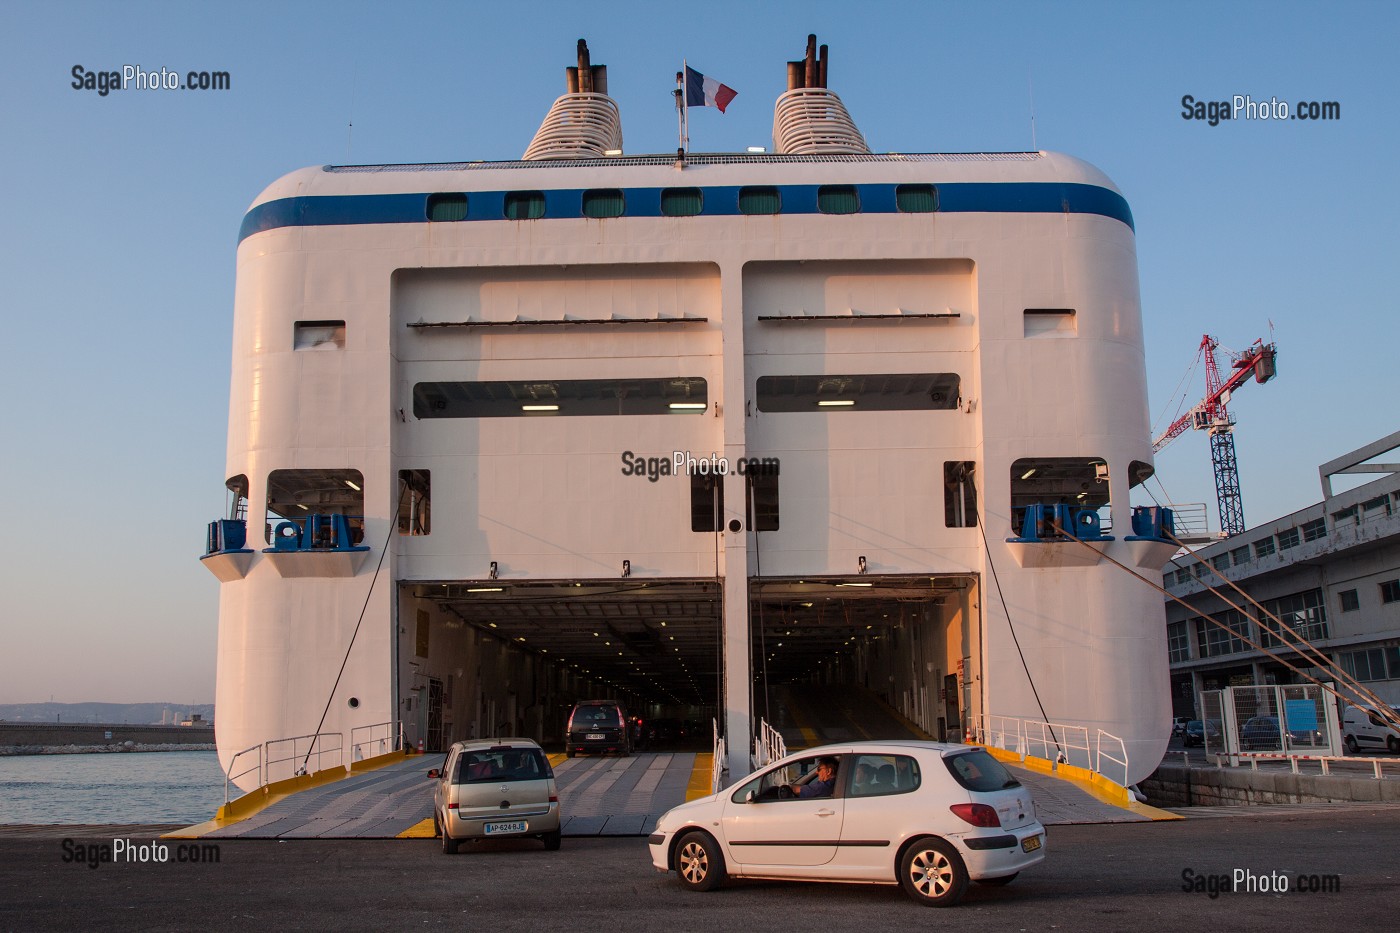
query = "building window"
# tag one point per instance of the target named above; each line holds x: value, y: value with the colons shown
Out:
x: 1264, y: 548
x: 1239, y: 555
x: 1288, y: 539
x: 1349, y: 600
x: 1220, y: 562
x: 602, y: 203
x: 1214, y: 640
x: 1368, y: 664
x: 309, y: 499
x: 859, y: 392
x: 1178, y: 642
x: 761, y: 499
x: 760, y: 199
x: 565, y: 397
x: 447, y: 207
x: 524, y: 205
x: 1390, y: 591
x: 1077, y: 483
x: 681, y: 202
x: 1302, y: 612
x: 838, y: 199
x: 916, y: 199
x: 415, y: 502
x: 706, y: 502
x: 959, y: 493
x: 1315, y: 529
x: 1346, y: 516
x: 318, y: 335
x: 1372, y: 509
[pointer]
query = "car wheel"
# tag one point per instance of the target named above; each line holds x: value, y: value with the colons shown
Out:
x: 1392, y: 743
x: 568, y: 752
x: 1350, y: 743
x: 998, y: 882
x: 699, y: 862
x: 449, y: 845
x: 551, y: 841
x: 932, y: 873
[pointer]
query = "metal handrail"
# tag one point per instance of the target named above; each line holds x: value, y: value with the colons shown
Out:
x: 768, y: 745
x: 1101, y: 754
x: 717, y: 766
x: 1058, y: 742
x: 394, y: 736
x: 316, y: 747
x: 230, y: 777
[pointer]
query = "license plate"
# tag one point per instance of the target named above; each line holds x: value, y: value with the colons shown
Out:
x: 596, y: 737
x: 1030, y: 843
x: 496, y: 829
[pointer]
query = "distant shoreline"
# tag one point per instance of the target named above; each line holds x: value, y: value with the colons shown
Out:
x: 13, y: 751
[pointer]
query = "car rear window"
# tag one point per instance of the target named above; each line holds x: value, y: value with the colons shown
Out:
x: 503, y: 764
x: 978, y: 771
x: 588, y: 717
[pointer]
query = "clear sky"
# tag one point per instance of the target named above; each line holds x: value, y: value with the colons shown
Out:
x: 121, y: 215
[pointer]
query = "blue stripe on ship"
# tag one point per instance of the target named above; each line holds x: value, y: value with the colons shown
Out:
x: 719, y: 201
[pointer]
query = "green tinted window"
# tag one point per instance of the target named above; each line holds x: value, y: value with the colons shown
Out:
x: 447, y: 207
x: 916, y: 199
x: 603, y: 202
x: 838, y: 199
x: 524, y: 205
x: 681, y: 202
x: 760, y: 199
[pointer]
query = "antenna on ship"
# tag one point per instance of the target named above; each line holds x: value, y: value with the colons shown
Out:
x: 808, y: 118
x: 585, y: 122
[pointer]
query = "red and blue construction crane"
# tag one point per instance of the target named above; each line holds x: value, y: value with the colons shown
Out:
x: 1211, y: 415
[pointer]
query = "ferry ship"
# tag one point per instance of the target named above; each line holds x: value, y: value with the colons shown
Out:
x: 677, y: 428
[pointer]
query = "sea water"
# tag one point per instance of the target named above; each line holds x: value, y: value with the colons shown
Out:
x: 117, y: 787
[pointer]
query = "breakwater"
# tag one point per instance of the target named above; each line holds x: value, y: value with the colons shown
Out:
x: 48, y: 738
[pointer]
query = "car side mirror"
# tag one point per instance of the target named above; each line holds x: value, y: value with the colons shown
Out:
x: 434, y: 773
x: 751, y: 797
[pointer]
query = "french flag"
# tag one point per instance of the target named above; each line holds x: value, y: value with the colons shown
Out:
x: 701, y: 91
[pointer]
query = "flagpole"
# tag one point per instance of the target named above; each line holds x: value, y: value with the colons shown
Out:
x: 685, y: 109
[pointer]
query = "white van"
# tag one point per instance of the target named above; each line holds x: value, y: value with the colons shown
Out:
x: 1362, y: 727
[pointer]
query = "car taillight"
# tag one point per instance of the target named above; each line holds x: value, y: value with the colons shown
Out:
x: 978, y: 814
x: 451, y: 806
x: 553, y: 798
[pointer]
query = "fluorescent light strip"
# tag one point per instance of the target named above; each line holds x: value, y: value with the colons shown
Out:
x: 836, y: 403
x: 688, y: 406
x: 539, y: 407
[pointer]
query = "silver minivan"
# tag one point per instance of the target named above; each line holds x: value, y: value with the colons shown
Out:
x: 495, y: 789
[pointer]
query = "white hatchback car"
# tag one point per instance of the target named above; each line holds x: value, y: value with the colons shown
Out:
x: 926, y: 815
x: 495, y: 788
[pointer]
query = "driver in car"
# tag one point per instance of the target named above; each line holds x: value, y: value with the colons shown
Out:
x: 822, y: 785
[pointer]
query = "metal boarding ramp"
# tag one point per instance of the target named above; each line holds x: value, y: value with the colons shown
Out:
x: 599, y: 796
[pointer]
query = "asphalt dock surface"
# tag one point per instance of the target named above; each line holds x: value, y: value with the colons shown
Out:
x: 1126, y: 876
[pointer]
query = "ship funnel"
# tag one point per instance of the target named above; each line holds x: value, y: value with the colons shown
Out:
x: 585, y: 122
x: 808, y: 118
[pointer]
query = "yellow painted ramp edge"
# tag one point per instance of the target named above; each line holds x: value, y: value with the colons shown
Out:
x: 1091, y: 782
x: 254, y: 802
x: 700, y: 772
